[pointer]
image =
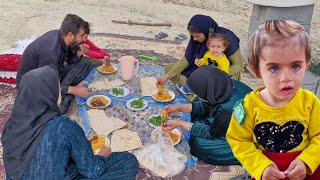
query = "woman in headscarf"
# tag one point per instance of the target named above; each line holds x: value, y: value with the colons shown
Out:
x: 198, y: 28
x: 210, y: 114
x: 38, y: 143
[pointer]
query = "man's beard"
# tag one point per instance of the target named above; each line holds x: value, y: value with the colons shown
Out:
x: 74, y: 46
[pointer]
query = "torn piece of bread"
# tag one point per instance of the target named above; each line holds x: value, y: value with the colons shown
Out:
x: 148, y: 86
x: 114, y: 83
x: 97, y: 86
x: 97, y: 141
x: 125, y: 140
x: 102, y: 124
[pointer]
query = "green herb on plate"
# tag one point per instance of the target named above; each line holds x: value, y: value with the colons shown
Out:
x: 137, y: 103
x: 157, y: 120
x: 117, y: 91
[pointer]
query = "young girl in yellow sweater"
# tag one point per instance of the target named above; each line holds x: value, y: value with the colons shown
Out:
x: 275, y: 131
x: 217, y: 43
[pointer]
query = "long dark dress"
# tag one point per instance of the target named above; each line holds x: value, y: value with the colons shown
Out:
x: 64, y: 153
x: 207, y: 140
x: 39, y: 143
x: 211, y: 115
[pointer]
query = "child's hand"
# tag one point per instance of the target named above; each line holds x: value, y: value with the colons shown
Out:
x: 273, y: 172
x: 297, y: 170
x: 107, y: 59
x: 197, y: 61
x: 84, y: 48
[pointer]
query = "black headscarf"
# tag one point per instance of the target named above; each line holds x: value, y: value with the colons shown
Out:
x: 34, y: 106
x: 212, y: 85
x: 196, y: 49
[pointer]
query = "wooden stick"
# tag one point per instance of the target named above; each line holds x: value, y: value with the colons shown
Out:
x: 141, y: 23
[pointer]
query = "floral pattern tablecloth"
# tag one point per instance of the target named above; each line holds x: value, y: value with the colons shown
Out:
x: 137, y: 120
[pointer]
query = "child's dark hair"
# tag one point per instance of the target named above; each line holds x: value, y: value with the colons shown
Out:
x: 86, y: 27
x: 219, y: 36
x: 276, y: 33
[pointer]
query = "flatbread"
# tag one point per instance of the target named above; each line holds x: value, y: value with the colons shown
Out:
x: 102, y: 124
x: 125, y: 140
x: 98, y: 86
x: 148, y: 86
x: 114, y: 83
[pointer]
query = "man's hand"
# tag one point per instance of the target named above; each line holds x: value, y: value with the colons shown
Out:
x: 297, y: 170
x: 272, y: 172
x: 79, y: 91
x: 105, y: 151
x: 82, y: 83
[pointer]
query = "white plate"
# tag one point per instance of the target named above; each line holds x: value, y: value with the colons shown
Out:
x: 150, y: 124
x: 128, y: 104
x: 90, y: 99
x: 99, y: 69
x: 169, y: 91
x: 176, y: 131
x: 125, y: 90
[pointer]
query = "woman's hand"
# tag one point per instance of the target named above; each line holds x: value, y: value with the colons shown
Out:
x: 161, y: 81
x: 169, y: 126
x: 171, y: 109
x: 197, y: 61
x: 272, y: 172
x: 79, y: 91
x: 105, y: 151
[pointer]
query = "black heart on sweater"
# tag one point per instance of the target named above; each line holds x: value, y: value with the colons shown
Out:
x: 276, y: 138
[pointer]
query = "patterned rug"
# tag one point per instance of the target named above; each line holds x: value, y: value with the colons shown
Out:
x: 201, y: 171
x: 7, y: 95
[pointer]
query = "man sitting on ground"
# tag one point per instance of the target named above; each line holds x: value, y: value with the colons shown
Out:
x: 58, y: 48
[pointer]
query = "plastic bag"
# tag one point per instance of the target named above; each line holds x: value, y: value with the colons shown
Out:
x: 161, y: 158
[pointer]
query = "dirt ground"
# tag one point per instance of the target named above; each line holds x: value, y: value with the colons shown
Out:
x: 22, y: 19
